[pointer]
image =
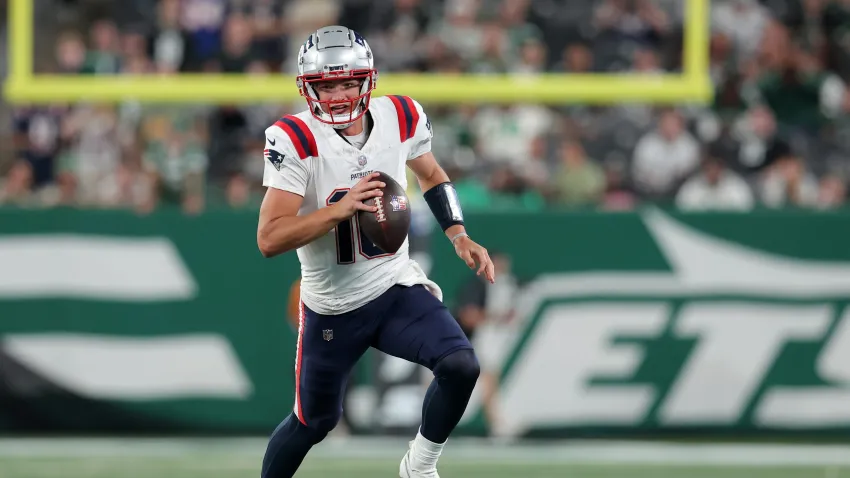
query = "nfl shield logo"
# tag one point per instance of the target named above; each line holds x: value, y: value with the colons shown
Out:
x: 399, y: 203
x: 362, y: 160
x: 328, y: 335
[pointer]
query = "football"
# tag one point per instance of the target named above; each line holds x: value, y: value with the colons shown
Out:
x: 387, y: 228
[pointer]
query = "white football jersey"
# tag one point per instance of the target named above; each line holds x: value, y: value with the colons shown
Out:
x: 343, y: 270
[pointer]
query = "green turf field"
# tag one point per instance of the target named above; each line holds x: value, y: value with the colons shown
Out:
x: 379, y: 458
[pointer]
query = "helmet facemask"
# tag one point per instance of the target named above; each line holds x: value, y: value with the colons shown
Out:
x: 357, y: 106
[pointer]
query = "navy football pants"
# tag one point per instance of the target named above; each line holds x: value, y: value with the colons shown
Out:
x: 406, y: 322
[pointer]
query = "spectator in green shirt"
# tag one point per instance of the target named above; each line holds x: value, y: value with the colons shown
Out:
x: 579, y: 180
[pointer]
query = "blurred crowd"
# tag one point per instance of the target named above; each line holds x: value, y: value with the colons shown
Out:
x: 777, y: 133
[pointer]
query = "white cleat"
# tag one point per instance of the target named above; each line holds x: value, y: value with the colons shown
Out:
x: 407, y: 470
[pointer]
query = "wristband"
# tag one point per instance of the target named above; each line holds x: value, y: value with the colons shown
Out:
x: 458, y: 236
x: 444, y: 204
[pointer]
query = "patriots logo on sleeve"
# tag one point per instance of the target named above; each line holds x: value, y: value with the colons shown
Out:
x: 274, y: 157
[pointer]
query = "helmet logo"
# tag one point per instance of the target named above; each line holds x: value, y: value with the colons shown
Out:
x: 358, y: 38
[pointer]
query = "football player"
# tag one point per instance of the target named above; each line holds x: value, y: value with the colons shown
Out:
x: 319, y: 170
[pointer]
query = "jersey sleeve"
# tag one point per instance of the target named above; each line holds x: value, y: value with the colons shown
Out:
x: 421, y: 140
x: 283, y: 168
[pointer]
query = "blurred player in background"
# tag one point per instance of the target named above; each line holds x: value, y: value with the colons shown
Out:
x: 320, y: 169
x: 293, y: 306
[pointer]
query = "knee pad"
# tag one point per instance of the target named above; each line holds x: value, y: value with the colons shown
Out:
x: 461, y: 366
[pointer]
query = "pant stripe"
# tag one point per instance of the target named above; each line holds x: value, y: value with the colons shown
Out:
x: 297, y: 408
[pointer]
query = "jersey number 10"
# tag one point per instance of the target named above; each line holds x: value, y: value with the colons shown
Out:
x: 345, y: 236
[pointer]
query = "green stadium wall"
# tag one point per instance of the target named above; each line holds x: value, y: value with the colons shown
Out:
x: 647, y: 323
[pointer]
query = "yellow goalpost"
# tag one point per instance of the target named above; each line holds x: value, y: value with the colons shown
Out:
x: 693, y: 85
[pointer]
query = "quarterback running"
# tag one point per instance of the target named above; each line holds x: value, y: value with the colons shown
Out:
x: 320, y: 169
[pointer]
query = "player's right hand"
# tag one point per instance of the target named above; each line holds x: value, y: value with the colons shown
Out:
x: 354, y: 199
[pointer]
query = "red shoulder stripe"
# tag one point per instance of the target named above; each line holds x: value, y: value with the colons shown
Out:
x: 300, y: 135
x: 413, y: 120
x: 313, y: 148
x: 289, y: 129
x: 402, y: 118
x: 408, y: 117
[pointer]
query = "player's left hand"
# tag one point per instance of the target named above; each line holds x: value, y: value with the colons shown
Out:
x: 472, y: 252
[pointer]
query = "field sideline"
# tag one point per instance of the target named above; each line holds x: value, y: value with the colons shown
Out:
x: 372, y: 458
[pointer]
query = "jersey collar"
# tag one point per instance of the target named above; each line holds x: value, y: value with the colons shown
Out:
x: 368, y: 125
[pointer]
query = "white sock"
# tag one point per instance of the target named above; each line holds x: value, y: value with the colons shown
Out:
x: 425, y: 453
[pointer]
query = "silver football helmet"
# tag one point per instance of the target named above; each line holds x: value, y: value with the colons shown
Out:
x: 336, y: 53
